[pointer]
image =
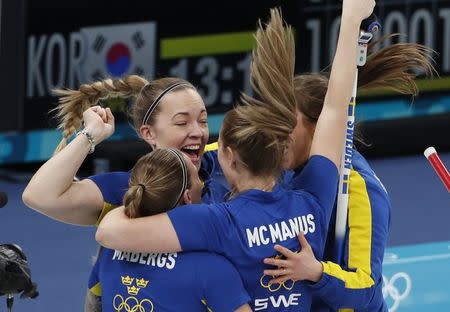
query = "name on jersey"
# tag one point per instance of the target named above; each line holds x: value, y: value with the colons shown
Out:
x: 160, y: 260
x: 280, y: 231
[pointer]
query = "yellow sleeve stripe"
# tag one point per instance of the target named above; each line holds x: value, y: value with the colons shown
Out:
x: 96, y: 289
x: 360, y: 225
x: 206, y: 305
x: 360, y: 238
x: 107, y: 207
x: 212, y: 147
x: 352, y: 280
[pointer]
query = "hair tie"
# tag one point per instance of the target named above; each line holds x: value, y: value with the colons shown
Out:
x: 142, y: 186
x: 156, y: 102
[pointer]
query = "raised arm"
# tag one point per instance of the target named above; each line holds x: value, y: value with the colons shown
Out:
x: 52, y: 190
x: 330, y: 130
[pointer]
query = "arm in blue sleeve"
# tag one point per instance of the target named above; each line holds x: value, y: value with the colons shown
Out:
x: 94, y: 284
x: 113, y: 186
x: 201, y: 227
x: 222, y: 285
x: 358, y: 283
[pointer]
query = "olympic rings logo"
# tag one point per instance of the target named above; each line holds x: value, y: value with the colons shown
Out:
x: 131, y: 304
x: 264, y: 281
x: 390, y: 289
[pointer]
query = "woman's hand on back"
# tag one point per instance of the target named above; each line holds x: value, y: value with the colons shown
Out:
x: 296, y: 266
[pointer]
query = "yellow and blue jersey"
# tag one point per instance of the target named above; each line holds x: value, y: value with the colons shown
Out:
x: 246, y: 228
x: 166, y: 282
x: 355, y: 283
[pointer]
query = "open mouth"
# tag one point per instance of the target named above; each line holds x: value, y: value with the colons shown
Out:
x: 192, y: 151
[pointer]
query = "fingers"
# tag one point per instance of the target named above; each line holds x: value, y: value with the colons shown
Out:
x: 280, y: 279
x: 278, y: 272
x: 100, y: 111
x: 284, y: 251
x: 109, y: 116
x: 276, y: 262
x: 303, y: 242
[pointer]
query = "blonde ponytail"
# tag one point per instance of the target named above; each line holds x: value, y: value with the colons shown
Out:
x: 133, y: 200
x: 259, y: 130
x: 393, y: 67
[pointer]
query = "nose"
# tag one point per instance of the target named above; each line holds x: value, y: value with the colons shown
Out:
x: 196, y: 130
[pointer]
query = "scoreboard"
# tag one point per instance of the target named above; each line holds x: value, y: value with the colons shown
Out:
x: 64, y: 44
x: 420, y: 21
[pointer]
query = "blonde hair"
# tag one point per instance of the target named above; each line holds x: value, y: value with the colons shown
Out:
x: 259, y: 130
x: 155, y: 180
x: 393, y: 67
x: 72, y: 103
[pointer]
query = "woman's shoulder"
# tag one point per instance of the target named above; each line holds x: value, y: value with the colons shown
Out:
x: 210, y: 160
x: 113, y: 185
x: 362, y: 168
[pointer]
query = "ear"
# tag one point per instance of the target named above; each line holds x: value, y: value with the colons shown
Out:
x: 148, y: 134
x: 187, y: 197
x: 231, y: 157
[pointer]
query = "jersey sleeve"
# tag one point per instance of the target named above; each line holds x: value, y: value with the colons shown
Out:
x: 202, y: 227
x: 357, y: 283
x: 94, y: 284
x: 320, y: 179
x: 222, y: 286
x: 210, y: 162
x: 113, y: 186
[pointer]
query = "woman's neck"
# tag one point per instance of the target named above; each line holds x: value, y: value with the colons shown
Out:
x: 265, y: 184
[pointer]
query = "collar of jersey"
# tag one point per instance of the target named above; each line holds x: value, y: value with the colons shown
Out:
x: 259, y: 195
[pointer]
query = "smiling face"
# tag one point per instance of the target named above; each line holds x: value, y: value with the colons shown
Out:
x: 181, y: 123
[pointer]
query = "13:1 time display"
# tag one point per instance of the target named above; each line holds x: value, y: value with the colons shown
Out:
x: 219, y: 78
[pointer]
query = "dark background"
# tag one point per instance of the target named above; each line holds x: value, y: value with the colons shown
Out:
x: 388, y: 137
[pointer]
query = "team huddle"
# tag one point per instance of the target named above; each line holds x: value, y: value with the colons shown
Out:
x: 246, y: 223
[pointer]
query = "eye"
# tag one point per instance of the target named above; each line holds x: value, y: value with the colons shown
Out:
x: 204, y: 121
x: 181, y: 123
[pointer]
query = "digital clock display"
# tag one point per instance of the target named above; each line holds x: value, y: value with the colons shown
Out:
x: 419, y: 21
x: 217, y: 77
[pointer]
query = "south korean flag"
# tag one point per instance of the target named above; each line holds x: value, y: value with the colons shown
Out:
x: 118, y: 50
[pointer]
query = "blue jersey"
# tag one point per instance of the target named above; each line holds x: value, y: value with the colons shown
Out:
x: 113, y: 185
x: 355, y: 283
x: 166, y: 282
x: 246, y: 228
